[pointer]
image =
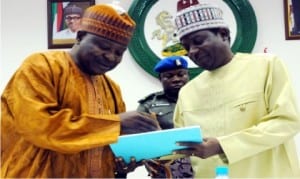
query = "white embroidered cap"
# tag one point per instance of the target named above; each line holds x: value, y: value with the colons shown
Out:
x: 192, y: 16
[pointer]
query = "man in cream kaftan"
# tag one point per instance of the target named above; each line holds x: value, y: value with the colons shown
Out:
x: 244, y: 103
x: 249, y: 105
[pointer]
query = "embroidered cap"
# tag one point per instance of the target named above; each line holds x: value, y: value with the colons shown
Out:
x: 192, y: 16
x: 106, y: 21
x: 170, y: 63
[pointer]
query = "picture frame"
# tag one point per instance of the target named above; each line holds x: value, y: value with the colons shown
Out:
x: 62, y: 26
x: 147, y: 51
x: 292, y: 19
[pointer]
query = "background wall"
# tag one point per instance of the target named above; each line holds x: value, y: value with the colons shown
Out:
x: 24, y: 30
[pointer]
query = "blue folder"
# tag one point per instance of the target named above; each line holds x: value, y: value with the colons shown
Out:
x: 154, y: 144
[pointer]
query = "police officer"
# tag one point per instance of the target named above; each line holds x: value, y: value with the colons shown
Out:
x: 173, y: 74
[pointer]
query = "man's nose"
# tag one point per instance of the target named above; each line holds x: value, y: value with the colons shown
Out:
x: 176, y: 78
x: 110, y: 56
x: 192, y: 50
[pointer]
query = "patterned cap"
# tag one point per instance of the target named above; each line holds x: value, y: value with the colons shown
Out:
x: 192, y: 16
x: 106, y: 21
x: 73, y: 9
x: 170, y: 63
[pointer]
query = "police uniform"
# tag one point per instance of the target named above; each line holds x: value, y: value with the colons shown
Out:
x: 161, y: 106
x: 158, y: 103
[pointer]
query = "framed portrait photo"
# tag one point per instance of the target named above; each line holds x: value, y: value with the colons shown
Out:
x: 292, y: 19
x: 154, y: 35
x: 64, y: 19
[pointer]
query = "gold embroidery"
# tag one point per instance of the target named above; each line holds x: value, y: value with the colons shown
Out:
x: 96, y: 106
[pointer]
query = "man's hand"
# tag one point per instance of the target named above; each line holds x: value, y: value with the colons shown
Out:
x: 122, y: 168
x: 209, y: 147
x: 136, y: 122
x: 158, y: 169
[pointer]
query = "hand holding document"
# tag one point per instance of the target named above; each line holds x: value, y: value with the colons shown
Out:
x: 154, y: 144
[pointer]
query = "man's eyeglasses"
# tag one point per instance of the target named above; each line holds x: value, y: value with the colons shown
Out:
x: 75, y: 18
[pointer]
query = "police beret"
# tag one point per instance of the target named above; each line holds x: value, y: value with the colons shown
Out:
x: 170, y: 63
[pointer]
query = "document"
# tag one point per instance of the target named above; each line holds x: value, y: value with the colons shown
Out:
x: 154, y: 144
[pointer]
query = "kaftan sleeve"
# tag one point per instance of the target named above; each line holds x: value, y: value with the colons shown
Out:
x: 278, y: 126
x: 33, y: 106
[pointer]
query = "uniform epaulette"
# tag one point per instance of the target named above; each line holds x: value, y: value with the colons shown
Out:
x: 151, y: 96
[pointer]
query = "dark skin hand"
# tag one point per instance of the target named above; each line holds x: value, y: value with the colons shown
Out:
x: 131, y: 123
x: 158, y: 169
x: 136, y: 122
x: 209, y: 147
x: 122, y: 168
